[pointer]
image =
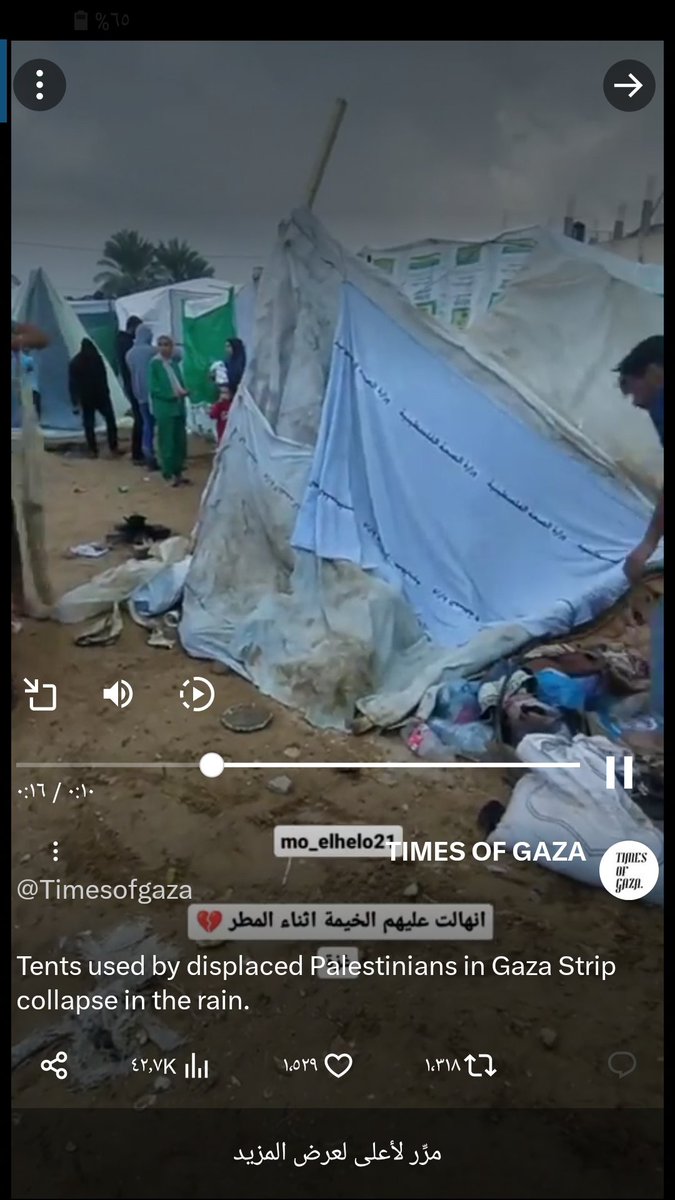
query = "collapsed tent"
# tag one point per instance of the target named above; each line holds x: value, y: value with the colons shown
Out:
x: 383, y: 507
x: 38, y: 303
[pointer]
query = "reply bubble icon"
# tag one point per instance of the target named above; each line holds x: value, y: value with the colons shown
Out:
x: 622, y: 1063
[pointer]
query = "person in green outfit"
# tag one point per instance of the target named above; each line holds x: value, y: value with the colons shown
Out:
x: 167, y: 398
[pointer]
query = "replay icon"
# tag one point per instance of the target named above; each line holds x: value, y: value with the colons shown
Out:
x: 622, y: 1063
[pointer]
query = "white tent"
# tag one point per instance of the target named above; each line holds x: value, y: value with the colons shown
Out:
x: 39, y: 303
x: 162, y: 308
x: 551, y: 316
x: 166, y: 309
x: 562, y: 326
x: 384, y: 506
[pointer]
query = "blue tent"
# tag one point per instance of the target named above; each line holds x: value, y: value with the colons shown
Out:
x: 38, y: 303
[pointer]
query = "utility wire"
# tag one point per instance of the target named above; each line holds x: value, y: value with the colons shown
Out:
x: 98, y: 250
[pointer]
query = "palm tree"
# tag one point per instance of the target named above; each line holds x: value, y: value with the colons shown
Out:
x: 129, y: 264
x: 177, y: 262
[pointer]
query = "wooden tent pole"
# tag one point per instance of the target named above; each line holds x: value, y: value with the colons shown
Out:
x: 316, y: 178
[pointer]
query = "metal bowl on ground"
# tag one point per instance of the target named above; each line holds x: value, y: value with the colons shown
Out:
x: 246, y: 718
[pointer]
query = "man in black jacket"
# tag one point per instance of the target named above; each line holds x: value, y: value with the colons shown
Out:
x: 124, y: 342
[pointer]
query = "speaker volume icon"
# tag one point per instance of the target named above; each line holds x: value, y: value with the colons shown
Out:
x: 121, y: 693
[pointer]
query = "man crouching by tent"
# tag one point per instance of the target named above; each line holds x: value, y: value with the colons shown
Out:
x: 641, y: 378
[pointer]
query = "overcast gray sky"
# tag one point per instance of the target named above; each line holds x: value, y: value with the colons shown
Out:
x: 214, y: 142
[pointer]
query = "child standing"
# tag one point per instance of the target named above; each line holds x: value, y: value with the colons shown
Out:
x: 220, y: 411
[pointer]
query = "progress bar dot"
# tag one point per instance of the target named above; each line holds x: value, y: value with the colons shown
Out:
x: 211, y: 765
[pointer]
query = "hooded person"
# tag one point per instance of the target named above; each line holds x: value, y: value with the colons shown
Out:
x: 90, y: 394
x: 235, y: 363
x: 123, y: 344
x: 138, y: 361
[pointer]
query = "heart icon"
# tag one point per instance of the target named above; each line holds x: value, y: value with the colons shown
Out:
x: 209, y: 920
x: 332, y: 1063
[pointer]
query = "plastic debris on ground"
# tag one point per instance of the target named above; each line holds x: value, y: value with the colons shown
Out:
x: 104, y: 631
x: 561, y: 690
x: 99, y: 594
x: 581, y: 693
x: 457, y: 701
x: 496, y: 691
x: 88, y: 550
x: 424, y: 740
x: 159, y: 639
x: 448, y: 723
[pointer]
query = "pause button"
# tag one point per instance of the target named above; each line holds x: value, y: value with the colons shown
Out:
x: 625, y: 769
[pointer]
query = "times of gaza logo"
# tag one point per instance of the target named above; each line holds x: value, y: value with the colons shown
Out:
x: 629, y: 870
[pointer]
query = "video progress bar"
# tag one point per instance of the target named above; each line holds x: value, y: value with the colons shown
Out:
x: 290, y: 765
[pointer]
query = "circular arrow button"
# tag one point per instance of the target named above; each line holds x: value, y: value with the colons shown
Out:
x: 197, y: 694
x: 629, y: 85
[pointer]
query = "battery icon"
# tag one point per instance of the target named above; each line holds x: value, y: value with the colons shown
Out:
x: 80, y: 22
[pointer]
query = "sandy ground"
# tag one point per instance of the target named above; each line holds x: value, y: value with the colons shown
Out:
x: 550, y: 1038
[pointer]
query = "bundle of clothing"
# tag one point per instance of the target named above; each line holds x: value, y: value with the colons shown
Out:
x: 557, y: 690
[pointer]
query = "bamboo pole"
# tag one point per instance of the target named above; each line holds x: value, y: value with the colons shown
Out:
x: 569, y: 216
x: 316, y: 178
x: 646, y: 217
x: 29, y: 507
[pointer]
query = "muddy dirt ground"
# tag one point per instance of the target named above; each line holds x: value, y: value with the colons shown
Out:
x: 550, y: 1038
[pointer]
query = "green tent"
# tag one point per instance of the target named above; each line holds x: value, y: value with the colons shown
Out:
x: 102, y: 329
x: 206, y: 328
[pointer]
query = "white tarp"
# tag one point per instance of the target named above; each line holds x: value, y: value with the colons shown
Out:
x: 561, y: 326
x: 549, y: 806
x: 458, y: 282
x: 552, y: 317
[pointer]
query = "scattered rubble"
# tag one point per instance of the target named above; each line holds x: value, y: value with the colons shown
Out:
x: 281, y: 785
